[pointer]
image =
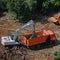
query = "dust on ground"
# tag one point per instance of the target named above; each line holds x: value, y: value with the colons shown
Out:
x: 8, y: 26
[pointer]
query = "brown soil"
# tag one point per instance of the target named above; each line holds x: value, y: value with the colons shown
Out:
x: 7, y: 26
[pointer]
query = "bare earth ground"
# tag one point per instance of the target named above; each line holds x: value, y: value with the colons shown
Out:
x: 21, y: 53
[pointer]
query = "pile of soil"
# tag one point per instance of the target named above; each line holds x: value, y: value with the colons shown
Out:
x: 8, y: 26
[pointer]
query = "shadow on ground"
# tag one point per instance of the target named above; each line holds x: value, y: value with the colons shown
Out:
x: 45, y: 45
x: 37, y: 47
x: 2, y: 14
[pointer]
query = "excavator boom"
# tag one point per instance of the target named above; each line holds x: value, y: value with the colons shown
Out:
x: 28, y: 24
x: 11, y: 39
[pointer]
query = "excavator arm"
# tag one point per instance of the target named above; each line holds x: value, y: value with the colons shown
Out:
x: 11, y: 40
x: 28, y: 24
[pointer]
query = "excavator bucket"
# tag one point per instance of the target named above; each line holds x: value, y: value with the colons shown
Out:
x: 6, y: 40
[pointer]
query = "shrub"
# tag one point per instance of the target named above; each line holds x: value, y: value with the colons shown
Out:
x: 57, y: 55
x: 24, y: 9
x: 49, y: 5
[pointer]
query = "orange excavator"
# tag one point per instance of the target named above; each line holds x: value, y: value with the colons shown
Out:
x: 30, y: 39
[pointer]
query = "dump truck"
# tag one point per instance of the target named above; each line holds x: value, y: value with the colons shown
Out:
x: 29, y: 39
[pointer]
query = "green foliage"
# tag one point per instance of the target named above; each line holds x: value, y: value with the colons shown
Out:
x: 57, y: 55
x: 25, y: 9
x: 50, y: 5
